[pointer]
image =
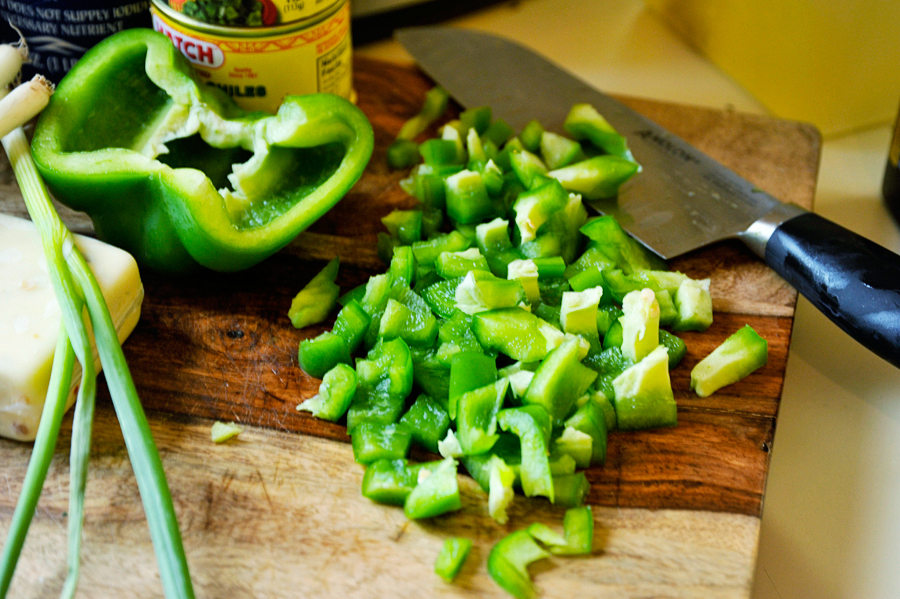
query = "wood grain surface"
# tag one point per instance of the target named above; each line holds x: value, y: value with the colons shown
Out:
x: 278, y: 513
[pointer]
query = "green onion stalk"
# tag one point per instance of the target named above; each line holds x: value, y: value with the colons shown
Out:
x: 77, y: 292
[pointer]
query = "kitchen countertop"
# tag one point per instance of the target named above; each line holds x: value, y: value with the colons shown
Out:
x: 830, y: 519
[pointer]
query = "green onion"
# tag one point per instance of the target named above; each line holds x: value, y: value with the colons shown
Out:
x: 75, y: 288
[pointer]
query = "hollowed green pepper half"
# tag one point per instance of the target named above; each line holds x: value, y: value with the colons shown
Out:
x: 174, y: 172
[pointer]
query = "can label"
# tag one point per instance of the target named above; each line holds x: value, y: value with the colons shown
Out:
x: 251, y: 13
x: 259, y: 70
x: 59, y: 32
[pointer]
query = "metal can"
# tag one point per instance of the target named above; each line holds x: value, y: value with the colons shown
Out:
x: 59, y: 32
x: 251, y: 13
x: 259, y: 66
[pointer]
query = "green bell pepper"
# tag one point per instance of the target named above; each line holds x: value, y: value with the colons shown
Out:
x: 532, y: 425
x: 517, y: 333
x: 469, y: 370
x: 174, y: 172
x: 561, y: 379
x: 385, y: 379
x: 577, y: 537
x: 391, y: 481
x: 643, y: 394
x: 373, y: 441
x: 740, y: 354
x: 320, y: 354
x: 428, y: 420
x: 476, y: 419
x: 509, y: 560
x: 451, y: 558
x: 316, y: 300
x: 436, y: 493
x: 335, y: 394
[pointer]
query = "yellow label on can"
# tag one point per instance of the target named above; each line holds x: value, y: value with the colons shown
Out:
x: 251, y: 13
x: 258, y: 70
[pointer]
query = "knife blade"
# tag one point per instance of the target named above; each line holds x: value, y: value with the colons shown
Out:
x: 682, y: 199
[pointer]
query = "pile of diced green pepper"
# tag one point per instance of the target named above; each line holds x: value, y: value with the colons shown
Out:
x: 511, y: 331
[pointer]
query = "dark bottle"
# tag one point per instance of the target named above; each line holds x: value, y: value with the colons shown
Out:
x: 58, y: 32
x: 890, y: 187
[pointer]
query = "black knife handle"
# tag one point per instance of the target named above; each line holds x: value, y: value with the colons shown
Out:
x: 853, y: 281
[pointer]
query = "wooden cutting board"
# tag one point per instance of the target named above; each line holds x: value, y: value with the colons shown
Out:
x: 277, y: 512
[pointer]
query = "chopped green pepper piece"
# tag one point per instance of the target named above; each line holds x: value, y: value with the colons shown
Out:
x: 391, y: 481
x: 320, y: 354
x: 558, y: 151
x: 667, y: 312
x: 643, y: 394
x: 481, y: 291
x: 606, y: 316
x: 501, y: 479
x: 620, y: 284
x: 531, y: 424
x: 451, y: 558
x: 452, y: 265
x: 373, y: 441
x: 476, y: 417
x: 335, y: 394
x: 351, y: 324
x: 578, y: 311
x: 385, y: 379
x: 614, y: 335
x: 469, y: 370
x: 223, y: 431
x: 610, y: 239
x: 577, y: 537
x: 576, y: 444
x: 427, y: 251
x: 408, y: 317
x: 436, y: 493
x: 640, y: 324
x: 528, y: 167
x: 676, y: 346
x: 456, y: 332
x: 526, y: 273
x: 550, y: 267
x: 497, y: 133
x: 467, y: 198
x: 508, y: 563
x: 531, y: 136
x: 440, y: 152
x: 403, y: 153
x: 590, y: 420
x: 441, y: 296
x: 584, y: 122
x: 317, y: 298
x: 561, y: 379
x: 596, y: 178
x: 426, y: 183
x: 495, y: 245
x: 578, y: 524
x: 403, y: 267
x: 478, y: 118
x: 516, y: 333
x: 740, y: 354
x: 570, y: 490
x: 693, y: 306
x: 404, y: 225
x: 434, y: 105
x: 534, y: 207
x: 428, y: 420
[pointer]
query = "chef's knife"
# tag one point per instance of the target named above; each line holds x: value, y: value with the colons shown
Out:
x: 682, y: 199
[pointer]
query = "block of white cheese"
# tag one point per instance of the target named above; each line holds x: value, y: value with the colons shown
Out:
x: 30, y: 318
